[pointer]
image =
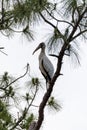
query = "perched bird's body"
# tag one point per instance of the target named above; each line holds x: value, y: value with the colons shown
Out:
x: 45, y: 64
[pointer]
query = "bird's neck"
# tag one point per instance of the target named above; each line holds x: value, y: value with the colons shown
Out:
x: 42, y: 53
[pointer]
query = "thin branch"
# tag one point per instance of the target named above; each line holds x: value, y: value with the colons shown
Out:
x: 19, y: 77
x: 51, y: 24
x: 85, y: 37
x: 1, y: 48
x: 63, y: 21
x: 54, y: 55
x: 66, y: 54
x: 34, y: 106
x: 83, y: 25
x: 33, y: 97
x: 76, y: 25
x: 47, y: 20
x: 16, y: 30
x: 3, y: 53
x: 77, y: 35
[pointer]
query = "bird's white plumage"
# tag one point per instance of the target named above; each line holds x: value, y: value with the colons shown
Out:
x: 45, y: 65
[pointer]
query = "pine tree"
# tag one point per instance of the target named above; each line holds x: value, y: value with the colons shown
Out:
x: 17, y: 16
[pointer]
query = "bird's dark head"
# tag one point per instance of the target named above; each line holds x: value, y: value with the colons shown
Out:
x: 41, y: 45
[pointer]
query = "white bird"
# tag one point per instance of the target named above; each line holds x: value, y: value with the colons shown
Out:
x: 45, y: 65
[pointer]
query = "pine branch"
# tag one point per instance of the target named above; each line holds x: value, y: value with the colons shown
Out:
x: 77, y: 35
x: 19, y: 77
x: 51, y: 25
x: 25, y: 111
x: 62, y: 21
x: 76, y: 25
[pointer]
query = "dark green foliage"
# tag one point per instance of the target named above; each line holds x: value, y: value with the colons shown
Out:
x: 27, y: 121
x: 52, y: 103
x: 7, y: 89
x: 5, y: 117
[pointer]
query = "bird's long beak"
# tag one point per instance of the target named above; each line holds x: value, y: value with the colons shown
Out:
x: 36, y: 49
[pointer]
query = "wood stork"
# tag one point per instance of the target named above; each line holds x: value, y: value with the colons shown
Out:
x: 45, y: 65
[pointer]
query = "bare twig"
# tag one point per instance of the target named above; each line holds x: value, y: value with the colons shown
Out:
x: 3, y: 53
x: 7, y: 85
x: 19, y: 77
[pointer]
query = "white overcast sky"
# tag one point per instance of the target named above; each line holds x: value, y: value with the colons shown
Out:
x: 70, y: 89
